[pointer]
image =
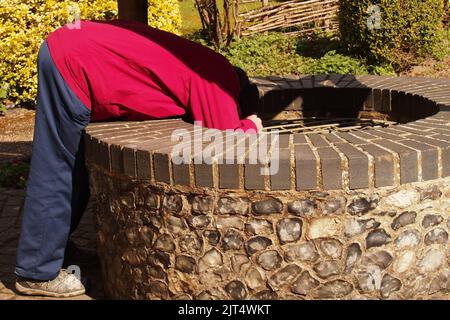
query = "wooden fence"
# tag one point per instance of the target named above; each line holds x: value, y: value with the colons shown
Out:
x: 291, y: 17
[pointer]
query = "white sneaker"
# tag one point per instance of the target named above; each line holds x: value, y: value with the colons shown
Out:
x: 65, y: 285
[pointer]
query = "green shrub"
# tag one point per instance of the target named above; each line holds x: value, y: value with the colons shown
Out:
x: 266, y: 54
x: 333, y: 62
x: 25, y: 23
x: 410, y: 30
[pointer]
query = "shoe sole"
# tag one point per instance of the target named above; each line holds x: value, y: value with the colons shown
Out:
x: 38, y: 292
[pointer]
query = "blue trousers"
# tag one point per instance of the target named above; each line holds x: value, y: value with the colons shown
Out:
x: 58, y: 187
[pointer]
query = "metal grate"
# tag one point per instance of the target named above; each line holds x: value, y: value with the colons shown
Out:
x: 323, y: 125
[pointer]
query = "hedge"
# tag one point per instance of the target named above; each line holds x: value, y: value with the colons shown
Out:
x: 410, y: 30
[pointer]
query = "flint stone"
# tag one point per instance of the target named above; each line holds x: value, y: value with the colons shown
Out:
x: 238, y: 261
x: 389, y: 284
x: 431, y: 220
x: 362, y: 205
x: 441, y: 282
x: 284, y: 276
x: 156, y: 221
x: 236, y: 289
x: 334, y: 289
x: 265, y: 295
x: 369, y: 281
x: 331, y: 247
x: 304, y: 284
x: 303, y: 207
x: 207, y: 295
x: 224, y: 222
x: 259, y: 226
x: 213, y: 236
x: 232, y: 240
x: 270, y: 260
x: 255, y: 279
x: 229, y: 205
x: 333, y: 206
x: 173, y: 204
x: 176, y: 225
x: 289, y: 229
x: 304, y: 252
x: 431, y: 193
x: 159, y: 258
x: 327, y: 268
x: 158, y: 289
x: 353, y: 255
x: 377, y: 238
x: 406, y: 218
x: 323, y: 228
x: 198, y: 222
x: 354, y: 227
x: 201, y: 204
x: 190, y: 243
x: 210, y: 259
x: 155, y: 273
x: 132, y: 236
x: 437, y: 235
x: 432, y: 260
x: 147, y: 235
x: 150, y: 201
x: 268, y: 206
x: 408, y: 239
x: 165, y: 243
x: 404, y: 261
x: 402, y: 199
x: 257, y: 244
x: 185, y: 264
x: 382, y: 259
x: 134, y: 257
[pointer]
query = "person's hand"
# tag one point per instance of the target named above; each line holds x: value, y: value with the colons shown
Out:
x: 257, y: 121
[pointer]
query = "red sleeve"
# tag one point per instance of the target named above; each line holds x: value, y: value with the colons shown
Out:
x: 214, y: 104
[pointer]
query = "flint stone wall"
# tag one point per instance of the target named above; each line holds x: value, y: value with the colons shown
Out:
x: 160, y: 242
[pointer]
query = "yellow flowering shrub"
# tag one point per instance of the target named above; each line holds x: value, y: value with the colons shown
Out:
x: 24, y: 24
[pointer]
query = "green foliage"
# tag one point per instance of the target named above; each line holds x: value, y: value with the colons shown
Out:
x: 410, y: 30
x: 382, y: 70
x: 24, y: 24
x: 277, y: 53
x: 4, y: 88
x: 336, y: 63
x: 266, y: 54
x: 14, y: 174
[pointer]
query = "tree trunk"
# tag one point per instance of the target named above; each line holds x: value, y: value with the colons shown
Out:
x: 134, y: 10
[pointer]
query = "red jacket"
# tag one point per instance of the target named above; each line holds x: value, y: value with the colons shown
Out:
x: 132, y: 71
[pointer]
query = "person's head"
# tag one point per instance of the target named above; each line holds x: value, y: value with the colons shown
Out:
x: 248, y: 95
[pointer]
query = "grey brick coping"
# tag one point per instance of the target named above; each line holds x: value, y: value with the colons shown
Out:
x: 417, y: 149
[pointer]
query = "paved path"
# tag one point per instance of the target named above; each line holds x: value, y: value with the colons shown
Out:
x: 11, y: 201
